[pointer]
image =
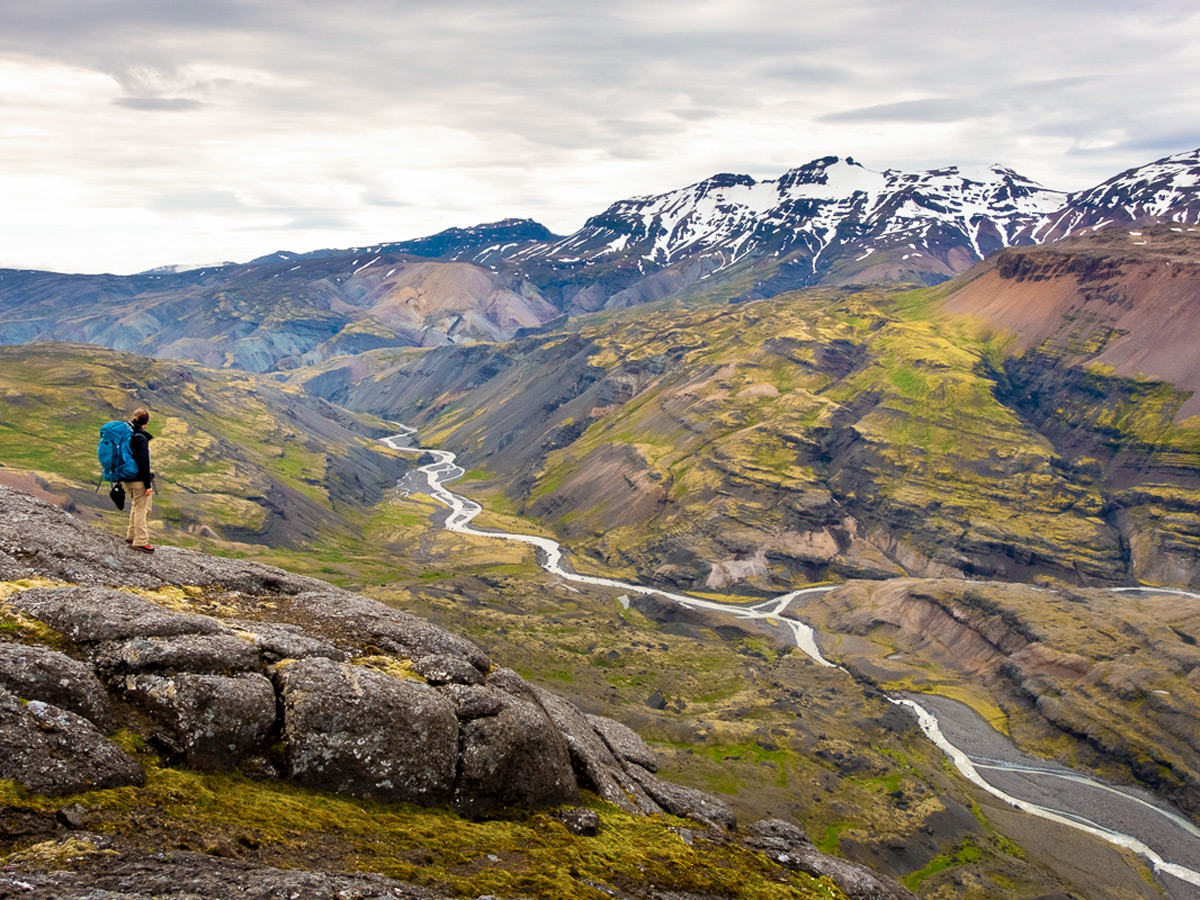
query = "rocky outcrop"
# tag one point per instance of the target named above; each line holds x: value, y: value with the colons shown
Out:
x: 787, y: 844
x: 98, y: 871
x: 53, y: 751
x: 330, y: 689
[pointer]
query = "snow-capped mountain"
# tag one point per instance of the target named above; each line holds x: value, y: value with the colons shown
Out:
x: 823, y: 213
x: 834, y: 220
x: 828, y: 199
x: 729, y: 237
x: 1167, y: 190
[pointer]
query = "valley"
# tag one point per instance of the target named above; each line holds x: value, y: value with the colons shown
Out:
x: 726, y: 443
x: 828, y: 433
x: 1056, y: 794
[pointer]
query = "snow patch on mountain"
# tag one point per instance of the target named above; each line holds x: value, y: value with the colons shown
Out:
x: 1165, y: 190
x: 808, y: 209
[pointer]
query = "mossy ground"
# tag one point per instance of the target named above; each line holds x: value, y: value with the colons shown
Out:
x: 738, y: 424
x: 522, y: 854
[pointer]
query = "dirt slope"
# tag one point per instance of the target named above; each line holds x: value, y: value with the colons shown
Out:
x: 1122, y: 298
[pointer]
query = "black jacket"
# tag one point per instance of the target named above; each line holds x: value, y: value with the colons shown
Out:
x: 139, y: 445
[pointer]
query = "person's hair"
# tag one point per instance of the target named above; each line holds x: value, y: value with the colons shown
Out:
x: 141, y: 416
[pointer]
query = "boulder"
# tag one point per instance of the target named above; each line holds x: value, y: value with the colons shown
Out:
x: 789, y: 845
x: 212, y: 721
x: 358, y: 731
x: 92, y: 615
x: 514, y: 756
x: 346, y: 616
x: 54, y: 751
x: 39, y: 673
x: 214, y: 654
x: 624, y: 742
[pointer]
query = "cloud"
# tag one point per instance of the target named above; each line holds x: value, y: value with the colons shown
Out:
x: 197, y: 202
x: 375, y: 197
x: 405, y: 118
x: 1150, y: 146
x: 694, y: 115
x: 933, y: 109
x: 158, y: 104
x: 318, y: 220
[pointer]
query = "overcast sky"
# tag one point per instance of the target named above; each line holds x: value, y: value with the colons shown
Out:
x: 139, y: 133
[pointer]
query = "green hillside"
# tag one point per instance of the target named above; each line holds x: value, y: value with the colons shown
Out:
x: 242, y: 463
x: 821, y: 434
x: 731, y: 449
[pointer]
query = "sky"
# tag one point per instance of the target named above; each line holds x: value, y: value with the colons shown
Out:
x: 144, y: 133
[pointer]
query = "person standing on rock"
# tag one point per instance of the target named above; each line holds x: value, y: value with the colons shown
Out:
x: 141, y: 487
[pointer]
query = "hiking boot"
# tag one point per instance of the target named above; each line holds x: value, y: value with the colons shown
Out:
x: 129, y: 540
x: 145, y: 548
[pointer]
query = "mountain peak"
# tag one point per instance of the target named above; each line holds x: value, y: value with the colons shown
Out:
x: 1166, y: 190
x: 934, y: 223
x: 832, y: 171
x: 727, y: 179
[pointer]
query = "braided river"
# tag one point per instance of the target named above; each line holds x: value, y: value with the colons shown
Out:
x: 1124, y: 816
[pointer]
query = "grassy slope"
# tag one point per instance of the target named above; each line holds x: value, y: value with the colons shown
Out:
x: 741, y: 424
x: 740, y: 717
x: 232, y: 452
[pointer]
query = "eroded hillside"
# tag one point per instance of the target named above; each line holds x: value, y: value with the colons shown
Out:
x: 818, y: 434
x: 1103, y: 363
x: 276, y: 313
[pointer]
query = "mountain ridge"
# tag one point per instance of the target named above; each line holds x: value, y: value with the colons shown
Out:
x: 728, y: 237
x: 809, y: 207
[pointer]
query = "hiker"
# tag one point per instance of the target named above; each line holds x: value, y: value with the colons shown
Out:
x: 141, y: 487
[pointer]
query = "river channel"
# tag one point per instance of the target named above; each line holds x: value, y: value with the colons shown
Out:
x: 1123, y: 816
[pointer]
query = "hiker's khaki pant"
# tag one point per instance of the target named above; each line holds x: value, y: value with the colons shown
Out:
x: 139, y: 511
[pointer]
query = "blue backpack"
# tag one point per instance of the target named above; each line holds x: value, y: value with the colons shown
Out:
x: 115, y: 453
